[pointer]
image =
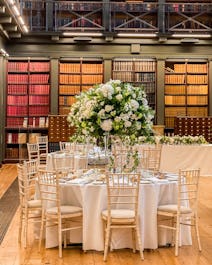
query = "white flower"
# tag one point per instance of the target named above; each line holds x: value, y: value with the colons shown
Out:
x: 117, y: 119
x: 144, y: 101
x: 127, y: 124
x: 106, y: 125
x: 91, y: 129
x: 118, y: 89
x: 134, y: 104
x: 101, y: 113
x: 107, y: 91
x: 84, y: 131
x: 117, y: 82
x: 108, y: 108
x: 113, y: 113
x: 138, y: 125
x: 124, y: 117
x: 119, y: 97
x: 126, y: 107
x: 87, y: 113
x: 133, y: 117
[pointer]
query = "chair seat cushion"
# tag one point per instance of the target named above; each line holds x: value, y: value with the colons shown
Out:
x: 34, y: 204
x: 120, y: 213
x: 173, y: 208
x: 65, y: 209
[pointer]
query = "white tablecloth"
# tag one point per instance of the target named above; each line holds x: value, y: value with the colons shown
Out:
x: 93, y: 199
x: 175, y: 157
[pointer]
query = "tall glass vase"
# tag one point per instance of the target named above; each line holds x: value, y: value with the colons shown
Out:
x: 106, y: 143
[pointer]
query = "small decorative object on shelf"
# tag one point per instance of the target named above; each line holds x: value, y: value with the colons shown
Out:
x: 114, y: 108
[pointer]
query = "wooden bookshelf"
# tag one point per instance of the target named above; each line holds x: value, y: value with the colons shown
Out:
x: 167, y: 17
x: 139, y: 72
x: 76, y: 75
x: 28, y: 104
x: 188, y: 16
x: 186, y: 89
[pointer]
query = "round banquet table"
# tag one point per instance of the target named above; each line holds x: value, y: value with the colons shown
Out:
x: 93, y: 199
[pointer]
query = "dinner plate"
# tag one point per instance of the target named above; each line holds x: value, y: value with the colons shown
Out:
x: 98, y: 182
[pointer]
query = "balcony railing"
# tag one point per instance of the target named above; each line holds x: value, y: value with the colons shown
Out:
x: 115, y: 17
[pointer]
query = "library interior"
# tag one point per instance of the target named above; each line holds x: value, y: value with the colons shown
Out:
x: 51, y: 53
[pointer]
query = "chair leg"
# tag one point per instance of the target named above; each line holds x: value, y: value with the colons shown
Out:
x: 177, y: 235
x: 65, y: 239
x: 20, y: 226
x: 133, y: 240
x: 43, y: 221
x: 60, y: 238
x: 25, y: 227
x: 107, y: 239
x: 197, y: 232
x: 173, y: 231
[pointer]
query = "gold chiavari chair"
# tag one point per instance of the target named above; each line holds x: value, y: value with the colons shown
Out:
x: 54, y: 213
x: 184, y: 212
x: 66, y: 146
x: 42, y: 142
x: 150, y: 159
x: 63, y: 162
x: 30, y: 208
x: 122, y: 207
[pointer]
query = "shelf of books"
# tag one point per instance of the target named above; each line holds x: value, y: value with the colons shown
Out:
x: 139, y: 72
x: 186, y: 89
x: 28, y: 98
x: 76, y: 75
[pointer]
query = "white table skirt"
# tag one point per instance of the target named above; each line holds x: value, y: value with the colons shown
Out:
x: 93, y: 199
x: 175, y: 157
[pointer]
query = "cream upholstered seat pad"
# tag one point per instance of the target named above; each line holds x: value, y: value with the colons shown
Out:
x: 120, y: 213
x: 65, y: 209
x: 173, y: 208
x: 34, y: 203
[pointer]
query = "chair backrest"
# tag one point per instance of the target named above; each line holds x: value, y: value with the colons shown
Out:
x: 188, y: 184
x: 42, y: 142
x: 31, y: 168
x: 66, y: 146
x: 33, y: 151
x: 49, y: 188
x: 27, y: 175
x: 22, y: 183
x: 124, y: 160
x: 150, y: 159
x: 63, y: 162
x: 82, y: 148
x: 123, y: 191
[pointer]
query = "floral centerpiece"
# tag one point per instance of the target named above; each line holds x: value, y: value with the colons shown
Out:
x: 114, y: 108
